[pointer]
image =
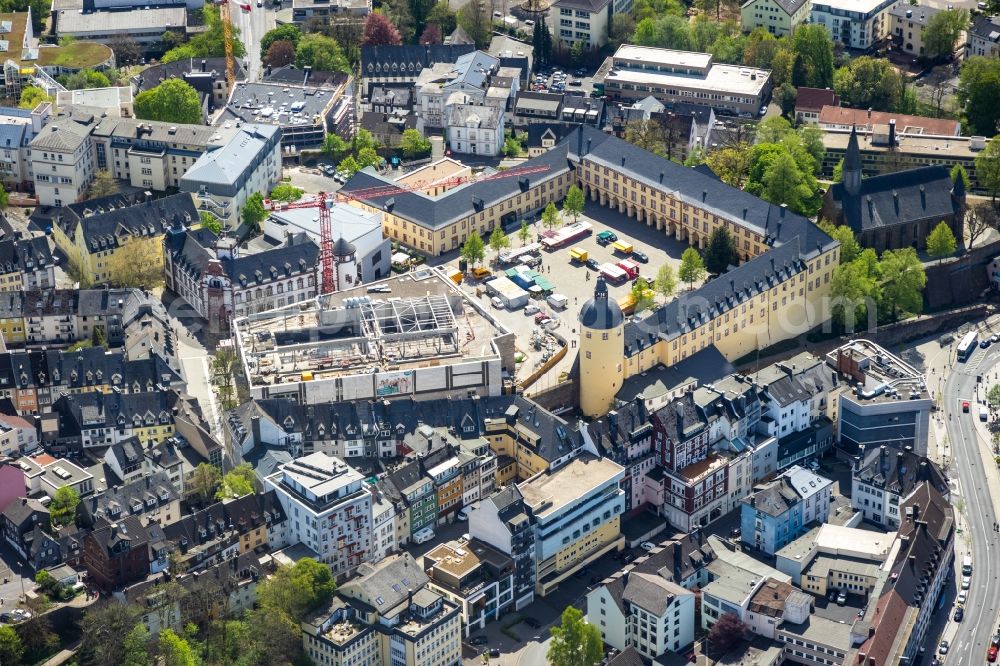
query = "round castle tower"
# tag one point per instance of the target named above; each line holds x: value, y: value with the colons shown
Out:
x: 602, y: 351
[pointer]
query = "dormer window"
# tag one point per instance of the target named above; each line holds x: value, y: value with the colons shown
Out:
x: 116, y: 379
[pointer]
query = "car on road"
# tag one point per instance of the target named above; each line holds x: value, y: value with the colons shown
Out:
x: 984, y: 343
x: 966, y: 582
x: 576, y: 82
x: 965, y: 406
x: 841, y: 598
x: 763, y: 110
x: 532, y: 622
x: 959, y: 614
x: 497, y: 303
x: 995, y: 337
x: 991, y: 654
x: 647, y: 545
x: 495, y: 653
x: 943, y: 647
x: 477, y: 640
x: 531, y: 309
x: 640, y: 256
x: 734, y: 533
x: 962, y: 596
x: 579, y: 72
x: 831, y: 594
x: 593, y: 264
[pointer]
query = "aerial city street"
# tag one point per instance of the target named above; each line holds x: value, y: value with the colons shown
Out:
x: 507, y: 333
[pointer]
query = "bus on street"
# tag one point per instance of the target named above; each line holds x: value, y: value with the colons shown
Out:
x: 967, y: 346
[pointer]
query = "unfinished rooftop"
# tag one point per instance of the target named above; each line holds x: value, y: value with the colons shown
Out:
x: 876, y: 374
x: 417, y: 320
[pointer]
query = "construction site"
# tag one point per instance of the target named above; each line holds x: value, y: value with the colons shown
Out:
x: 407, y: 335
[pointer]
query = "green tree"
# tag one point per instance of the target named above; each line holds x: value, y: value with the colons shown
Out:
x: 322, y: 53
x: 550, y: 216
x: 647, y: 134
x: 854, y: 287
x: 138, y: 263
x: 838, y: 171
x: 642, y: 294
x: 175, y: 650
x: 692, y: 267
x: 773, y: 130
x: 32, y: 96
x: 367, y: 157
x: 286, y: 192
x: 334, y: 146
x: 86, y: 78
x: 849, y: 247
x: 812, y: 51
x: 524, y: 233
x: 903, y: 280
x: 413, y: 144
x: 225, y: 366
x: 577, y: 53
x: 720, y: 251
x: 473, y: 250
x: 279, y: 54
x: 993, y: 398
x: 173, y: 101
x: 103, y: 185
x: 254, y: 212
x: 442, y: 15
x: 574, y: 202
x: 498, y: 240
x: 103, y: 630
x: 988, y: 166
x: 666, y: 281
x: 474, y: 17
x: 283, y: 33
x: 136, y: 647
x: 958, y: 171
x: 237, y: 482
x: 783, y: 182
x: 511, y: 146
x: 730, y: 164
x: 941, y: 241
x: 210, y: 222
x: 209, y: 43
x: 364, y: 139
x: 575, y: 642
x: 785, y: 95
x: 11, y: 648
x: 62, y: 509
x: 4, y: 197
x: 622, y: 27
x: 349, y: 165
x: 978, y: 91
x: 298, y: 589
x: 942, y: 32
x: 204, y: 481
x: 871, y: 83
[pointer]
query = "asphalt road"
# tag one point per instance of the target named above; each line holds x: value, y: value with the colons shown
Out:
x: 972, y: 637
x: 252, y: 26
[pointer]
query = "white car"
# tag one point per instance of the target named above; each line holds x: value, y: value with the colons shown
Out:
x: 962, y: 596
x: 497, y: 303
x: 531, y: 309
x: 647, y: 545
x: 966, y: 582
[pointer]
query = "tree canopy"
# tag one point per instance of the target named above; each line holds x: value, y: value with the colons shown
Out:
x: 872, y: 83
x: 942, y: 33
x: 574, y: 202
x: 978, y: 91
x: 692, y: 267
x: 413, y: 144
x: 378, y: 30
x: 86, y: 78
x: 237, y: 482
x: 988, y: 165
x: 173, y: 101
x: 498, y: 240
x: 550, y: 216
x: 103, y: 185
x: 286, y: 192
x: 941, y: 241
x: 903, y: 280
x: 812, y: 63
x: 721, y: 251
x: 283, y: 33
x: 666, y: 281
x: 138, y: 262
x: 32, y: 96
x: 322, y: 53
x: 575, y: 642
x: 254, y: 212
x: 473, y: 250
x: 207, y: 44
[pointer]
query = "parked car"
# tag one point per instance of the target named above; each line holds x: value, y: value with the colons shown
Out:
x: 959, y: 614
x: 477, y: 640
x: 497, y: 303
x: 494, y: 653
x: 991, y: 654
x: 640, y: 256
x: 532, y: 622
x: 423, y: 536
x: 966, y: 582
x: 531, y: 309
x: 962, y: 596
x: 593, y: 264
x: 995, y: 337
x: 841, y: 598
x: 943, y: 647
x: 576, y: 82
x: 647, y: 545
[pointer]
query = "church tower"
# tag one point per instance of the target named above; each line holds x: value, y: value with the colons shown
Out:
x: 852, y: 165
x: 602, y: 351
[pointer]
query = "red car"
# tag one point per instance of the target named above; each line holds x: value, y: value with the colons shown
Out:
x: 991, y: 654
x: 965, y: 406
x: 245, y: 7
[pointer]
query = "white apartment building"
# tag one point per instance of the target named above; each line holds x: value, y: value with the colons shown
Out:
x: 18, y: 128
x: 983, y: 38
x: 583, y: 21
x: 778, y: 17
x: 857, y: 24
x: 644, y: 611
x: 474, y: 76
x: 383, y: 528
x: 63, y: 160
x: 475, y: 129
x: 223, y: 177
x: 329, y: 509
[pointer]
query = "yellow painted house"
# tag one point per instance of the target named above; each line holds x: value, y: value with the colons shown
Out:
x: 12, y: 317
x: 91, y: 233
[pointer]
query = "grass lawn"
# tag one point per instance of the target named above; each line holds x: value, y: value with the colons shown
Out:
x: 78, y: 55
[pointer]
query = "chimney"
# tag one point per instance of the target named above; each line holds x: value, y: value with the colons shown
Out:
x: 892, y: 132
x: 255, y: 429
x: 203, y: 66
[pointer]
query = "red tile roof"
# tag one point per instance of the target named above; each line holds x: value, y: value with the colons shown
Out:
x: 837, y: 115
x: 814, y: 99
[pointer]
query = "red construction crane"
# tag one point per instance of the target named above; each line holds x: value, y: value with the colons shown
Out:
x: 324, y: 201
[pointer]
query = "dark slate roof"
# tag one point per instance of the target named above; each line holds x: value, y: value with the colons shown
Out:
x: 775, y: 223
x: 383, y: 124
x: 592, y: 6
x: 461, y: 201
x: 627, y: 657
x: 401, y: 95
x: 408, y: 60
x: 987, y: 27
x: 131, y: 498
x: 152, y: 218
x: 678, y: 560
x: 24, y: 255
x: 601, y: 313
x: 291, y: 74
x: 897, y: 198
x: 128, y: 529
x: 688, y: 312
x: 682, y: 418
x: 45, y: 302
x: 789, y: 6
x: 898, y: 471
x: 157, y: 74
x: 538, y: 131
x: 20, y: 510
x: 192, y: 251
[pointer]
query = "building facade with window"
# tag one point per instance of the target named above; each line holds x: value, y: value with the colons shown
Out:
x: 778, y: 17
x: 584, y: 22
x: 856, y: 24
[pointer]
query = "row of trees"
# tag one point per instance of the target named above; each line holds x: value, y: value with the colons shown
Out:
x: 206, y: 44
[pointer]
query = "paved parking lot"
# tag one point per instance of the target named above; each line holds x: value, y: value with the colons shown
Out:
x: 576, y: 282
